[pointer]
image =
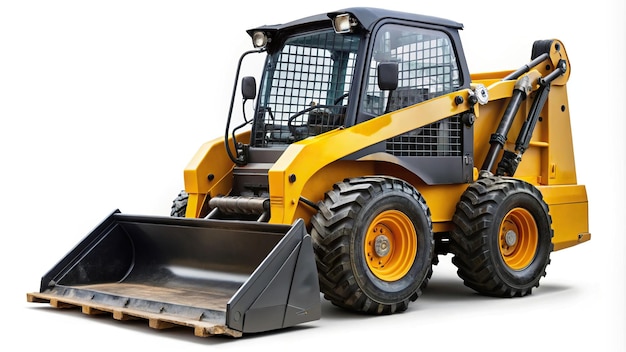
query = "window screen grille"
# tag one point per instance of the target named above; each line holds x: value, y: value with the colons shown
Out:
x: 427, y: 68
x: 303, y: 87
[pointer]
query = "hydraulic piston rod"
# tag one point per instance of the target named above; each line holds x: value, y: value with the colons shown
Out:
x: 498, y: 139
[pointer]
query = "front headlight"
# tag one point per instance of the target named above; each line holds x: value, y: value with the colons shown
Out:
x: 259, y: 39
x: 344, y: 23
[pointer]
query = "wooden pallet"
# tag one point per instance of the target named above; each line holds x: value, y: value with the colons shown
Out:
x: 155, y: 320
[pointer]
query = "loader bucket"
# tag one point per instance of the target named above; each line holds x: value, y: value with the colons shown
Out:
x: 218, y: 277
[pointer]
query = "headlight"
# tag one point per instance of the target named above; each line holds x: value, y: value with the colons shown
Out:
x: 259, y: 39
x: 343, y: 23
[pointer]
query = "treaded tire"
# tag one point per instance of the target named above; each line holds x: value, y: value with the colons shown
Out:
x: 356, y: 213
x: 179, y: 205
x: 502, y: 238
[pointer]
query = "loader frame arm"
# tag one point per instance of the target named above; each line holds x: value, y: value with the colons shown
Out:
x: 301, y: 160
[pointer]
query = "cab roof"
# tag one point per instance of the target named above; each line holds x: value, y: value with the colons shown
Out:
x: 367, y: 16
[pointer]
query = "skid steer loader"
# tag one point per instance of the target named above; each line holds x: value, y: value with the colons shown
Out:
x: 366, y: 151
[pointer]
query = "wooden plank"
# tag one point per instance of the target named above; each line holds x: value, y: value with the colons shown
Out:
x: 204, y: 331
x: 160, y: 324
x: 122, y: 316
x: 202, y: 297
x: 92, y: 311
x: 61, y: 304
x: 35, y: 299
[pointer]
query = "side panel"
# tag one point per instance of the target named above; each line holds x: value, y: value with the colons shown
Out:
x: 568, y: 208
x: 209, y: 172
x: 559, y: 164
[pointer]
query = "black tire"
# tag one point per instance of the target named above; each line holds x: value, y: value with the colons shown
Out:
x: 353, y: 218
x: 179, y: 205
x: 502, y: 238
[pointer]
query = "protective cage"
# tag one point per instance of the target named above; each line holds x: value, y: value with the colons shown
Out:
x: 304, y: 88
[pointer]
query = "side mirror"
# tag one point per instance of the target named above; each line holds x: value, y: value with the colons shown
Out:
x: 388, y: 75
x: 248, y: 87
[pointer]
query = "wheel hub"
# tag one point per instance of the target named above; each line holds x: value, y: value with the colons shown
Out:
x: 510, y: 238
x: 518, y: 239
x: 382, y: 247
x: 390, y: 245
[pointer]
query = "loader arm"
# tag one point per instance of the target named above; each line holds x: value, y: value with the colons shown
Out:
x: 301, y: 160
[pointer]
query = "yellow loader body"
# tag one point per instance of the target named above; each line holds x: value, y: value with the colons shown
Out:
x: 371, y: 151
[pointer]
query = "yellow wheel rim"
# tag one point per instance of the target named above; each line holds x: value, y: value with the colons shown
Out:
x: 518, y: 238
x: 390, y: 245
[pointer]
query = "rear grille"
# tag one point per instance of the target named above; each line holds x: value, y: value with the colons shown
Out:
x: 442, y: 138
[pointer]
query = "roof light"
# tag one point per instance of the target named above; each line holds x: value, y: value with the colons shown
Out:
x: 259, y: 39
x: 343, y: 23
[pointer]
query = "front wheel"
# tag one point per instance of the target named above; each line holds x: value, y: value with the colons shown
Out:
x: 502, y: 238
x: 374, y: 245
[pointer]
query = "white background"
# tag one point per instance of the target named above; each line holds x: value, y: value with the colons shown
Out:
x: 103, y: 103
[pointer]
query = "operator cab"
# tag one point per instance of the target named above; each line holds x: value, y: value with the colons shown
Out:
x: 336, y: 70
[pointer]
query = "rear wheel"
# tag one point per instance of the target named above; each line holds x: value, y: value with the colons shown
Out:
x: 503, y: 237
x: 179, y: 205
x: 374, y: 245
